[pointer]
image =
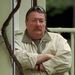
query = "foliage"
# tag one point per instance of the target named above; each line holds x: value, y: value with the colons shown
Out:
x: 57, y: 6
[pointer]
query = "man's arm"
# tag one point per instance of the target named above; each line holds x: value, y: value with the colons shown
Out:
x: 40, y: 59
x: 29, y: 60
x: 43, y: 57
x: 62, y: 60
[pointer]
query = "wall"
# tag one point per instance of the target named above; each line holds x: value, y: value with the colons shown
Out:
x: 20, y: 15
x: 42, y: 3
x: 5, y: 63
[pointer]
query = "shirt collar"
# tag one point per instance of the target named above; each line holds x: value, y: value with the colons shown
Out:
x: 26, y: 39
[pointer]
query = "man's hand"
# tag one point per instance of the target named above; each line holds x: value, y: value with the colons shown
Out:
x: 42, y: 67
x: 40, y: 59
x: 43, y: 57
x: 39, y: 67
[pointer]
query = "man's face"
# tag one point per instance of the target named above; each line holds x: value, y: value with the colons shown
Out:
x: 36, y: 25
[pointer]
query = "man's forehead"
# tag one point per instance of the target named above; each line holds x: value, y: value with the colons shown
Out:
x: 37, y: 14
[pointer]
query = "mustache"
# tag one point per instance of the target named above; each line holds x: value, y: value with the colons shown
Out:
x: 37, y: 29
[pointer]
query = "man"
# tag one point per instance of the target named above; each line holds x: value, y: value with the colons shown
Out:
x: 41, y: 52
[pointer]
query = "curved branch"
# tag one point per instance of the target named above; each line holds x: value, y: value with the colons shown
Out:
x: 3, y: 31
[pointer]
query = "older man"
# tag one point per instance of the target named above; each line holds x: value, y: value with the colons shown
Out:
x: 41, y: 52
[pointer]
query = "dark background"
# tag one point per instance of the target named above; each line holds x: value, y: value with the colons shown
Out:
x: 64, y: 19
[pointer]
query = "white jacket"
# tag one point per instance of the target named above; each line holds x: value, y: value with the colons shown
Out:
x: 26, y: 52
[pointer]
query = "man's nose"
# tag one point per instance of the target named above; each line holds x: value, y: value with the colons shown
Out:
x: 38, y: 22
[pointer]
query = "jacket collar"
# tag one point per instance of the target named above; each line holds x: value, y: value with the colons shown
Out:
x: 26, y: 39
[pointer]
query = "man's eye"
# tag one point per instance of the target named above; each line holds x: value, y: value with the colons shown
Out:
x: 34, y: 20
x: 41, y: 21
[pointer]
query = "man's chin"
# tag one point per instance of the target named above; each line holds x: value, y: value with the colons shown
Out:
x: 38, y: 35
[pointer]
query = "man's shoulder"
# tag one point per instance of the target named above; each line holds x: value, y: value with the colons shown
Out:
x: 19, y: 35
x: 55, y: 35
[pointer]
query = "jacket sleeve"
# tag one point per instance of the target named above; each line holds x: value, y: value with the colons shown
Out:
x: 62, y: 60
x: 26, y: 59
